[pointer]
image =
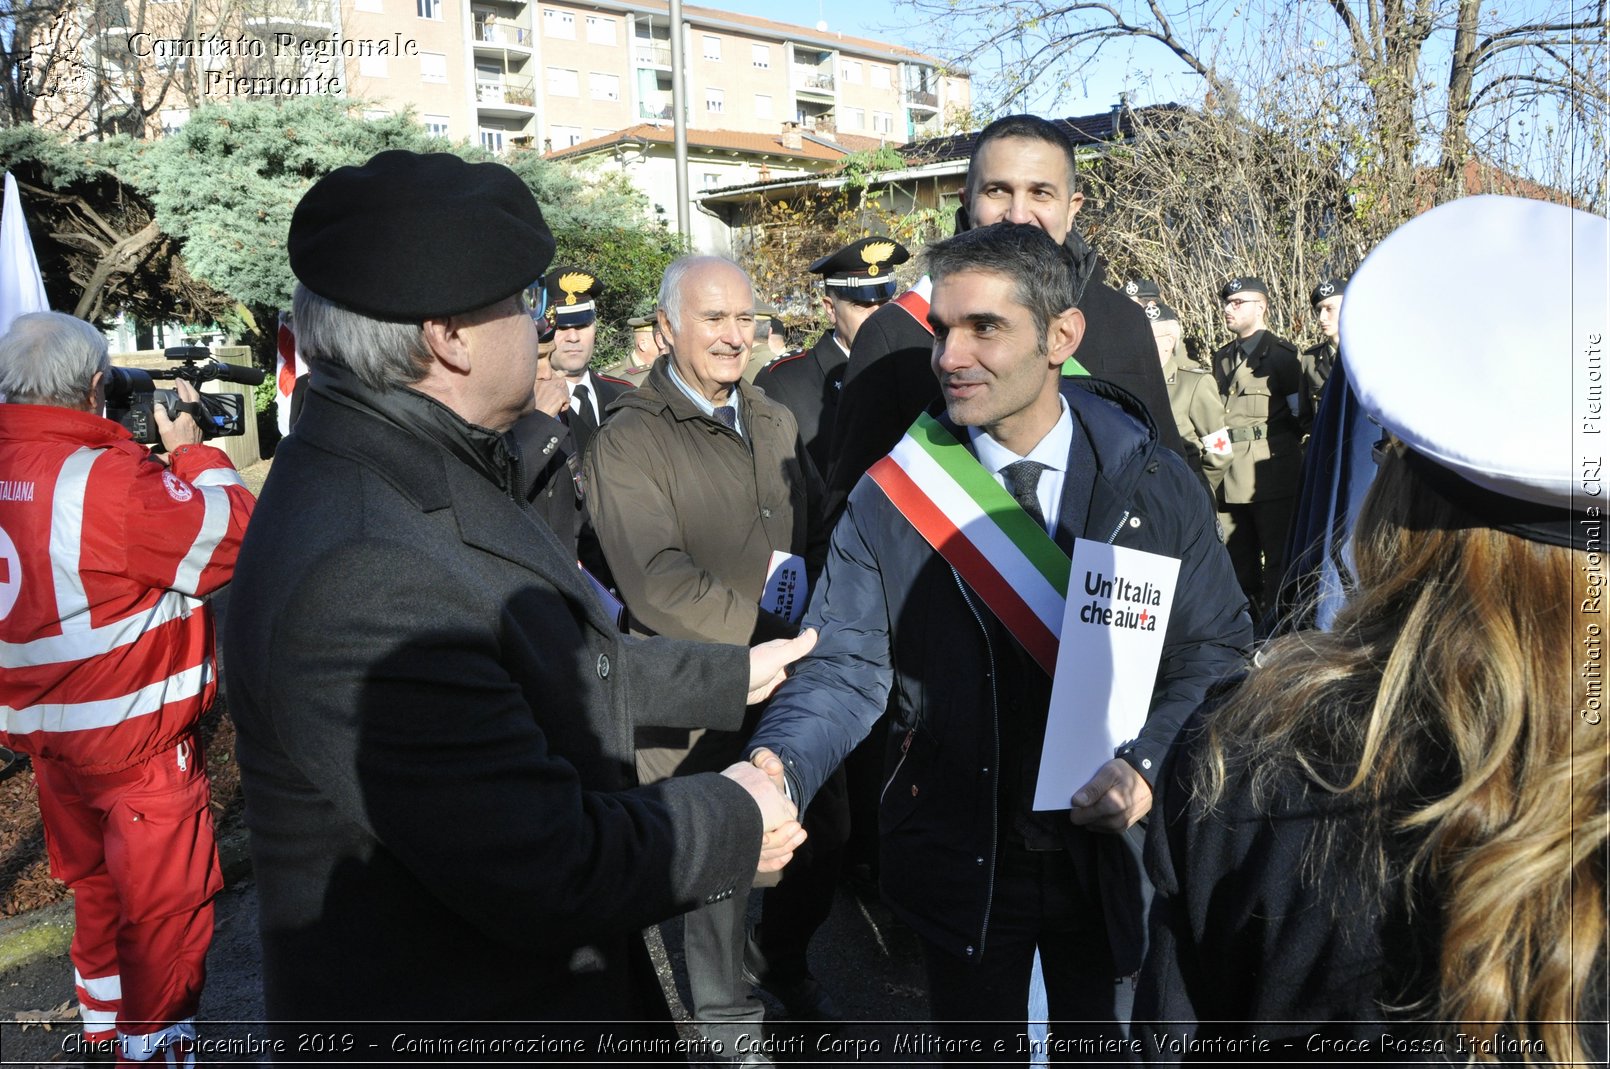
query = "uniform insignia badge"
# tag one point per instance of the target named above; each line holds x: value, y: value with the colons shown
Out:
x: 1235, y: 284
x: 876, y: 253
x: 1152, y: 311
x: 1326, y: 289
x: 176, y: 487
x: 1130, y: 288
x: 573, y: 283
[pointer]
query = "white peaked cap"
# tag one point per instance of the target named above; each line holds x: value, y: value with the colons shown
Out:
x: 1472, y: 329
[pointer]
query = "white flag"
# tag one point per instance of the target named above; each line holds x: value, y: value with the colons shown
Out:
x: 21, y: 288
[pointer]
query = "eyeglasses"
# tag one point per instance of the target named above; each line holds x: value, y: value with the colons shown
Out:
x: 534, y: 299
x: 1237, y: 302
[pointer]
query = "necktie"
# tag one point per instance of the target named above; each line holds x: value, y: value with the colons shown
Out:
x: 1022, y: 478
x: 727, y: 416
x: 581, y: 405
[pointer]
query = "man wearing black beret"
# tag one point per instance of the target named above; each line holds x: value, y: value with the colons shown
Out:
x: 434, y: 712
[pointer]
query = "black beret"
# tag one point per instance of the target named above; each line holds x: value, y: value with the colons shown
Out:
x: 1161, y: 313
x: 408, y: 237
x: 1243, y: 284
x: 1330, y: 287
x: 1142, y: 290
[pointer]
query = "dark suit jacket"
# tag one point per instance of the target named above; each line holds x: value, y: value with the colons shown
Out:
x: 435, y: 723
x: 582, y: 430
x: 808, y: 384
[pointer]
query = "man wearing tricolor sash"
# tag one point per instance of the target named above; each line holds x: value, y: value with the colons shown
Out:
x: 945, y: 586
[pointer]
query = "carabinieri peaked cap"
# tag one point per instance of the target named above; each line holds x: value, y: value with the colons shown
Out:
x: 572, y: 295
x: 862, y: 270
x: 411, y: 236
x: 1490, y: 402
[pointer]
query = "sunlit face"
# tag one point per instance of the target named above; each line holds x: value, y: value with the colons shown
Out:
x: 710, y: 346
x: 1023, y: 180
x: 503, y: 363
x: 846, y: 316
x: 1330, y: 315
x: 991, y: 361
x: 1243, y: 312
x: 1167, y: 335
x: 573, y: 349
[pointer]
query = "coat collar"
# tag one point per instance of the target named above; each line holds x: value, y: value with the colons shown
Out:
x: 658, y: 394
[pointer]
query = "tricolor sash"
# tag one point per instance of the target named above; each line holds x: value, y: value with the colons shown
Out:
x: 981, y: 531
x: 915, y: 303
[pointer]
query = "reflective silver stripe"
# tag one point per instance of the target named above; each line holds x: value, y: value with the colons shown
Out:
x: 67, y: 539
x: 97, y: 1020
x: 218, y: 477
x: 96, y: 641
x: 214, y: 524
x: 106, y: 712
x: 102, y: 988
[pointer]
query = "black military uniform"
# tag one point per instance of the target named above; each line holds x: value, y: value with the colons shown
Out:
x: 572, y: 302
x: 807, y: 383
x: 1317, y: 361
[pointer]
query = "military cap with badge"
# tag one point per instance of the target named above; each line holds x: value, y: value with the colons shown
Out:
x: 862, y: 271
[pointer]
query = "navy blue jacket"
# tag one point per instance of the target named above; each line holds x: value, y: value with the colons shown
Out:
x: 893, y: 615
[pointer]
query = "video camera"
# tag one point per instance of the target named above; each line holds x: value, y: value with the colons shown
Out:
x: 132, y: 397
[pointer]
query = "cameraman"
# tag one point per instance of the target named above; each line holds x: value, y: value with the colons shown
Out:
x: 106, y: 663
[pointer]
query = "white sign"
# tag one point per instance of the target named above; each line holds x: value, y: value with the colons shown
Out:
x: 786, y: 590
x: 612, y: 604
x: 1119, y: 601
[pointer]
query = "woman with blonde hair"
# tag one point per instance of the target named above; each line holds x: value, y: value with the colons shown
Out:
x: 1389, y: 840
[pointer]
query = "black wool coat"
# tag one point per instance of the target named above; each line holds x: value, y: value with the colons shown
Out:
x: 434, y: 721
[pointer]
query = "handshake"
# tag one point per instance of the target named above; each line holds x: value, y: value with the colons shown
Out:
x: 762, y: 777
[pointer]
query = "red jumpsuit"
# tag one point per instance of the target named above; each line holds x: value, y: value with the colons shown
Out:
x: 107, y: 658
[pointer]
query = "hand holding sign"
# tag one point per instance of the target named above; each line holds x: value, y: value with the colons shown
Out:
x: 1113, y: 800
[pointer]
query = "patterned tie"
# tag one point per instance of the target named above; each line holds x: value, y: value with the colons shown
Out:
x: 1022, y: 478
x: 727, y: 416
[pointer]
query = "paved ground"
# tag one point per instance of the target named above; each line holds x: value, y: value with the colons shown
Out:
x: 868, y: 962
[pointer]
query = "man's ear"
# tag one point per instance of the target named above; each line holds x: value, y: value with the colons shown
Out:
x: 446, y: 340
x: 1063, y: 335
x: 1075, y: 202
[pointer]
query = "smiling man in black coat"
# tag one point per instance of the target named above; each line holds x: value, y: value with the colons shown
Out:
x: 434, y: 713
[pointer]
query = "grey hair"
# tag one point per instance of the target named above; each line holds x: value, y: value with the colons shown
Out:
x: 670, y: 300
x: 50, y: 358
x: 382, y: 353
x: 1039, y: 268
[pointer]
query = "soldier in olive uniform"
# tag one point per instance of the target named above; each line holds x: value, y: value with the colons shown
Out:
x: 768, y: 345
x: 1318, y: 360
x: 858, y: 279
x: 646, y: 349
x: 1260, y: 380
x: 1192, y: 395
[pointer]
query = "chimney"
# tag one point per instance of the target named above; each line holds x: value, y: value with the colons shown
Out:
x: 791, y: 138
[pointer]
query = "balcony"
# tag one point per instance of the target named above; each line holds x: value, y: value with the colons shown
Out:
x: 293, y: 16
x: 507, y: 98
x: 653, y: 54
x: 494, y: 34
x: 916, y: 98
x: 809, y: 81
x: 657, y: 108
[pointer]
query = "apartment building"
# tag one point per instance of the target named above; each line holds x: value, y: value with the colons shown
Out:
x: 503, y: 73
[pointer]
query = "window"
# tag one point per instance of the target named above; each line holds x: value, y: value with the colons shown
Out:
x: 712, y: 47
x: 852, y: 118
x: 600, y: 31
x: 432, y: 67
x: 604, y: 86
x: 852, y: 71
x: 372, y: 66
x: 882, y: 122
x: 492, y: 140
x: 881, y: 77
x: 564, y: 136
x: 429, y: 9
x: 556, y: 23
x: 762, y: 106
x: 712, y: 179
x: 376, y: 113
x: 714, y: 101
x: 563, y: 83
x: 435, y: 125
x: 760, y: 56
